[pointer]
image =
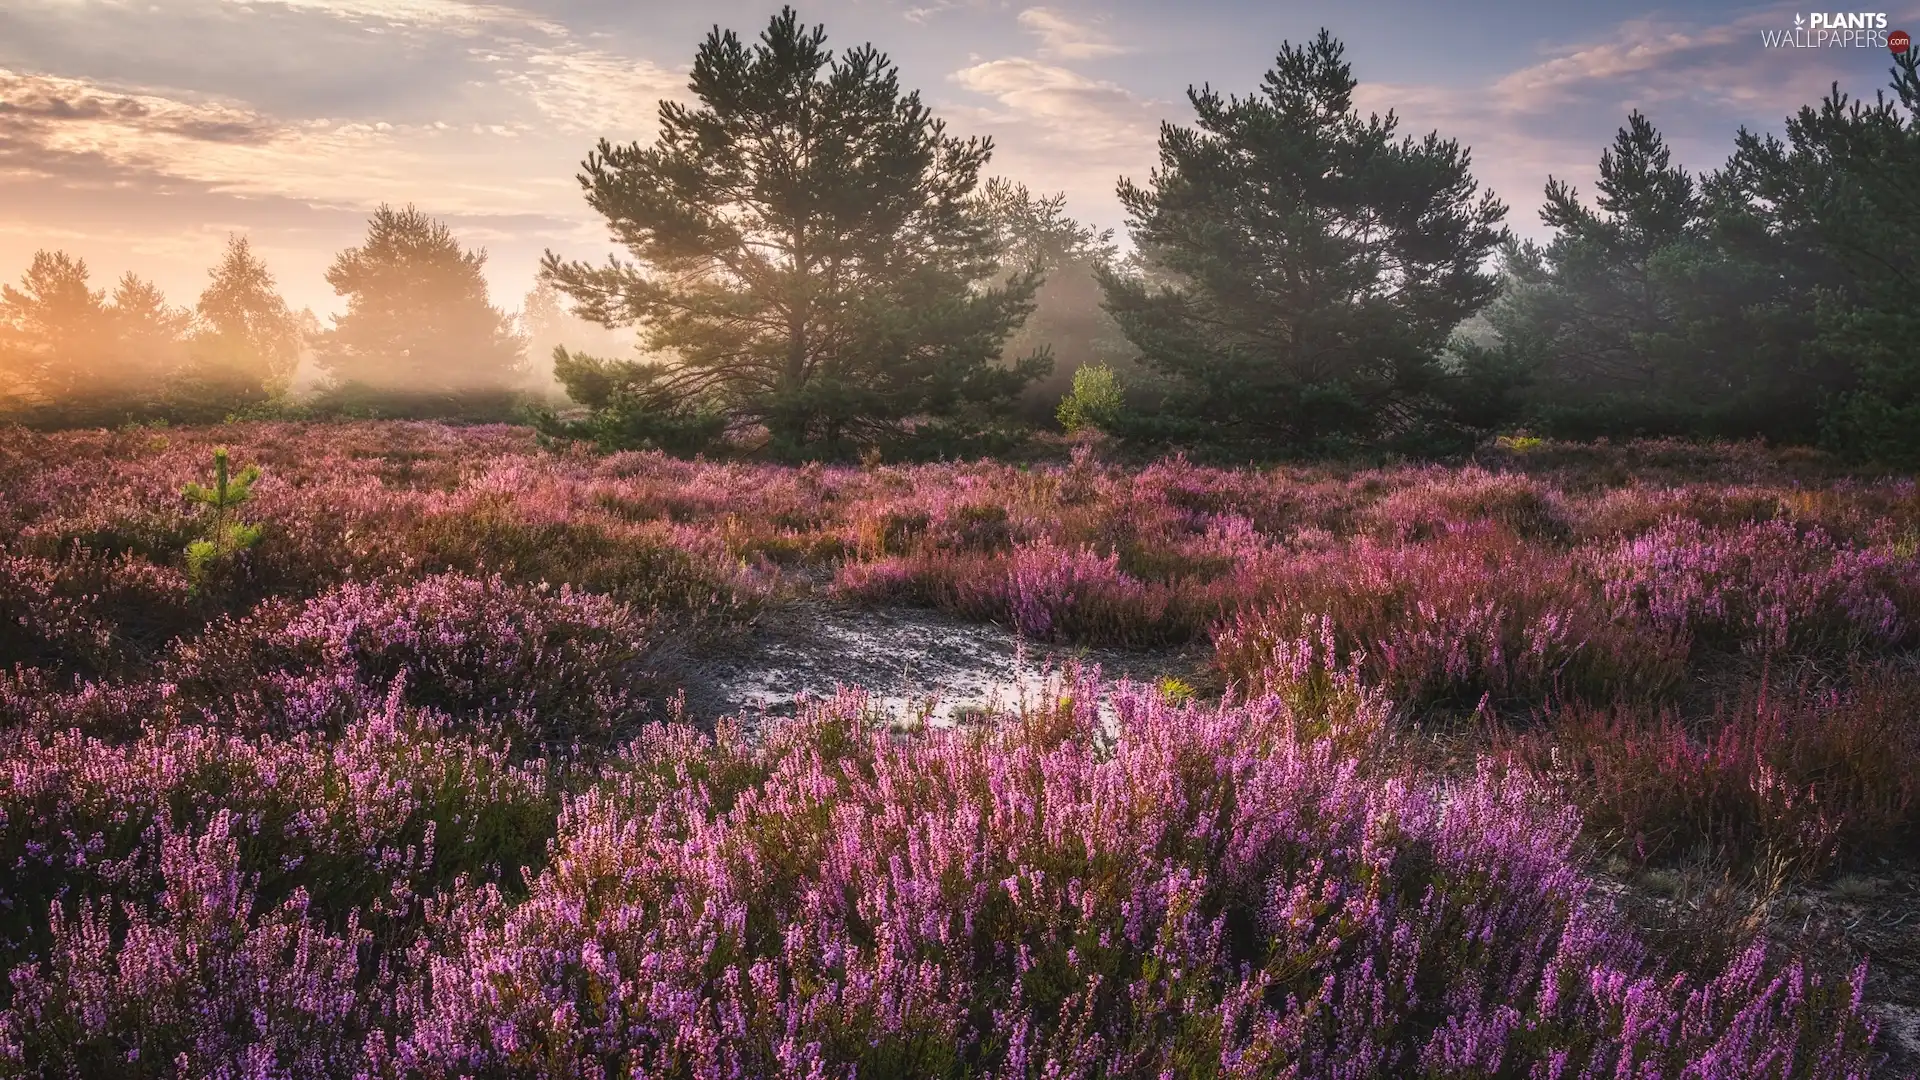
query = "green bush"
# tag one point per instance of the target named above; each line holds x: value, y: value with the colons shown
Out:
x: 1095, y: 402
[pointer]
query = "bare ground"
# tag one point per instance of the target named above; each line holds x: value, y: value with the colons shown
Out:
x: 910, y: 661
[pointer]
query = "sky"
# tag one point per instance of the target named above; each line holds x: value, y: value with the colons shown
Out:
x: 139, y: 134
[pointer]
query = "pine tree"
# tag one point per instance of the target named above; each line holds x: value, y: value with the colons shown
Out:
x: 1837, y: 205
x: 150, y: 340
x: 1619, y: 318
x: 1319, y: 263
x: 60, y: 335
x: 226, y: 535
x: 75, y: 356
x: 807, y: 250
x: 547, y: 325
x: 1034, y: 232
x: 249, y: 342
x: 418, y: 321
x: 1645, y: 313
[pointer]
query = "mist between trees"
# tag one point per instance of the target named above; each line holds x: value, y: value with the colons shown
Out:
x: 814, y: 267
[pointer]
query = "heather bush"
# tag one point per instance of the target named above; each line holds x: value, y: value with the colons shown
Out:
x: 88, y: 612
x: 1205, y: 890
x: 654, y: 567
x: 1624, y: 513
x: 35, y: 701
x: 1802, y: 776
x: 551, y: 666
x: 199, y: 987
x: 368, y: 824
x: 1041, y: 591
x: 1469, y: 616
x: 386, y: 795
x: 1763, y: 588
x: 1446, y: 500
x: 1173, y: 889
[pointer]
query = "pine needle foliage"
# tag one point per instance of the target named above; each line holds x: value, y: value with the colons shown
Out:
x: 226, y: 533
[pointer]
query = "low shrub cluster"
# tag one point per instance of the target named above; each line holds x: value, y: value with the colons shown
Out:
x: 1191, y: 889
x: 1795, y: 774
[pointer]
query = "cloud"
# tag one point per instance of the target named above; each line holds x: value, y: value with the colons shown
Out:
x: 1091, y: 114
x: 450, y: 16
x: 1062, y: 38
x: 44, y: 101
x: 114, y: 125
x: 589, y: 91
x: 1061, y: 131
x: 476, y: 112
x: 927, y: 11
x: 1657, y: 58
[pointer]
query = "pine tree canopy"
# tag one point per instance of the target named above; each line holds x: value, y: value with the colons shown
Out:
x: 150, y: 336
x: 1839, y: 202
x: 1318, y: 262
x: 1595, y: 295
x: 250, y: 342
x: 418, y: 320
x: 807, y: 251
x: 59, y: 334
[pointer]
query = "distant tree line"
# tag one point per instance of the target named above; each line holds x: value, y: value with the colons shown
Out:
x: 1774, y: 297
x: 815, y: 267
x: 418, y: 337
x: 70, y: 353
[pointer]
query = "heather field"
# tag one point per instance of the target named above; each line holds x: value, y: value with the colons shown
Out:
x: 1576, y: 761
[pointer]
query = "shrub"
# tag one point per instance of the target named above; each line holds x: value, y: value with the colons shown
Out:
x: 1765, y: 587
x: 369, y: 825
x: 1042, y: 591
x: 1472, y: 616
x: 226, y: 535
x: 1095, y: 401
x: 552, y: 666
x: 86, y: 612
x: 201, y: 986
x: 1808, y: 778
x: 1210, y: 886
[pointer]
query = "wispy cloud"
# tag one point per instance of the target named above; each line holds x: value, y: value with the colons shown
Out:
x: 1697, y: 82
x: 453, y: 16
x: 1093, y: 114
x: 586, y: 90
x: 119, y: 139
x: 45, y: 103
x: 1060, y: 130
x: 1061, y: 37
x: 1659, y: 57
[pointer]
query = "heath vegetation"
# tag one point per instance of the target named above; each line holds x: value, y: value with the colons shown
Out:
x: 1506, y: 724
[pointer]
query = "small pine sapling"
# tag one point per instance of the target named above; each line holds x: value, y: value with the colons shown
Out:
x: 226, y: 534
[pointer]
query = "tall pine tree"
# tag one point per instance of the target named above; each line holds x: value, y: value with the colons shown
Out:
x: 1068, y: 322
x: 1319, y: 264
x: 1837, y: 207
x: 1647, y: 312
x: 150, y: 340
x: 59, y: 343
x: 418, y: 321
x: 73, y: 355
x: 249, y: 342
x: 808, y: 254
